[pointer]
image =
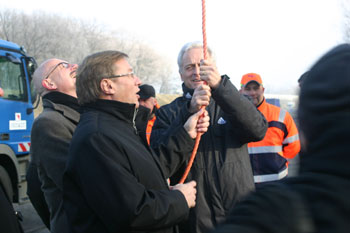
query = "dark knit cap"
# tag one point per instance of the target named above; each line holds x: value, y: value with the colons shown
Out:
x: 324, y: 114
x: 146, y: 91
x: 303, y: 77
x: 325, y: 93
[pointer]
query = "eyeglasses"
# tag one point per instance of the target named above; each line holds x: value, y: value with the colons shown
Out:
x: 65, y: 65
x: 122, y: 75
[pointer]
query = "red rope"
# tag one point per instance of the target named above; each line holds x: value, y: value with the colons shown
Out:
x: 204, y: 32
x: 198, y: 138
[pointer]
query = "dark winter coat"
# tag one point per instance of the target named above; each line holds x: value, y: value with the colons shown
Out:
x: 222, y: 167
x: 9, y: 222
x: 51, y: 134
x: 318, y: 199
x: 113, y: 180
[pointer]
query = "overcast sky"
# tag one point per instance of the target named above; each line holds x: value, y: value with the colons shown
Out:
x: 279, y: 39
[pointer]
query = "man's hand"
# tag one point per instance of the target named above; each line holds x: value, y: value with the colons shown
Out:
x: 209, y: 73
x: 201, y: 97
x: 197, y: 124
x: 189, y: 191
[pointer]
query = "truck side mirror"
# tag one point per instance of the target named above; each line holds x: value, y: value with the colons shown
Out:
x: 31, y: 67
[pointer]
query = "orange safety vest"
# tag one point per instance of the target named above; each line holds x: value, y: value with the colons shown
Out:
x: 150, y: 124
x: 281, y: 142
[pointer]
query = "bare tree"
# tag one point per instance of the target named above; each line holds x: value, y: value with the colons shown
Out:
x: 7, y: 19
x: 48, y: 35
x: 346, y: 14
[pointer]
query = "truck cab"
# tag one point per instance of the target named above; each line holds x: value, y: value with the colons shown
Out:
x: 16, y: 118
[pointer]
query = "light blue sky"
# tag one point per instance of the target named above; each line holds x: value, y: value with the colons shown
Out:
x: 279, y: 39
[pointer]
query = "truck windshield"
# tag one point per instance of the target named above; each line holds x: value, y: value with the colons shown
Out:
x: 12, y: 80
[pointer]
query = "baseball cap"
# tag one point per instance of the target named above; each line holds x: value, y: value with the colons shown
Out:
x: 250, y: 77
x: 146, y: 91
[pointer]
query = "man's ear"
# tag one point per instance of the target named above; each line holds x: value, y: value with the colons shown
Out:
x: 155, y: 102
x: 181, y: 76
x: 106, y: 87
x: 48, y: 84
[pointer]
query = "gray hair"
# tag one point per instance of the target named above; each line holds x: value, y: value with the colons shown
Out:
x: 37, y: 81
x: 39, y: 75
x: 92, y: 70
x: 192, y: 45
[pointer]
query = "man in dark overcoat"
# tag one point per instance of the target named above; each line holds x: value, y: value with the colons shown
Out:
x: 51, y: 134
x: 114, y: 182
x: 222, y: 166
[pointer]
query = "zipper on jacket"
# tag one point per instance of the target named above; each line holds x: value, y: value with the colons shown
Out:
x: 133, y: 120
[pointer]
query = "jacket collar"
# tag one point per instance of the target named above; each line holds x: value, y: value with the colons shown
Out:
x: 262, y: 106
x: 66, y: 111
x: 187, y: 92
x: 64, y: 99
x: 123, y: 111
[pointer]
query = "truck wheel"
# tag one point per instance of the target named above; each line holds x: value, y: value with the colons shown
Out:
x: 5, y: 182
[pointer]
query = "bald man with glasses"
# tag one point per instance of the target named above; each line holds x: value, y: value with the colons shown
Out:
x: 52, y: 131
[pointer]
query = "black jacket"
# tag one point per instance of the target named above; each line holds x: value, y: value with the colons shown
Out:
x: 8, y: 220
x: 51, y: 134
x: 114, y: 182
x: 318, y: 199
x: 222, y: 167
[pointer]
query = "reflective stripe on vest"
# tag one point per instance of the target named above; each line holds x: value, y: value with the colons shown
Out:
x: 282, y: 115
x: 291, y: 139
x: 271, y: 177
x: 264, y: 149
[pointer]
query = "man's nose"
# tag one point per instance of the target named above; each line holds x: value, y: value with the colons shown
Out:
x: 137, y: 80
x: 196, y: 69
x: 252, y: 92
x: 74, y: 66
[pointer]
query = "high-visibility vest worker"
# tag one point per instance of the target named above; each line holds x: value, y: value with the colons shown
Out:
x: 281, y: 142
x: 148, y: 99
x: 150, y: 124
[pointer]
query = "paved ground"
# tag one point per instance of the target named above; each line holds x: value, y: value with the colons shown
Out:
x: 31, y: 221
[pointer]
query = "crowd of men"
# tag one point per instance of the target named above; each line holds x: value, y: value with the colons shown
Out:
x: 107, y: 158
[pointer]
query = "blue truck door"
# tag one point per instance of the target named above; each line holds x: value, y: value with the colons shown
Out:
x: 16, y: 115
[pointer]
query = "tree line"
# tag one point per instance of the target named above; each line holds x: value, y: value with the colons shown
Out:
x: 45, y: 36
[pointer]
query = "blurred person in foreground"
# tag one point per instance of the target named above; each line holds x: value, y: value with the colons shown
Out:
x: 114, y: 182
x: 318, y: 199
x: 51, y: 134
x: 9, y: 222
x: 148, y: 100
x: 281, y: 142
x: 221, y: 168
x: 302, y: 78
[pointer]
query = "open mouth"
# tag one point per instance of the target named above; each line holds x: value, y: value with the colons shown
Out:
x: 197, y: 80
x: 73, y: 74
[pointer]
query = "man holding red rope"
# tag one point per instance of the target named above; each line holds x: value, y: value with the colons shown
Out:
x: 113, y: 181
x: 221, y: 168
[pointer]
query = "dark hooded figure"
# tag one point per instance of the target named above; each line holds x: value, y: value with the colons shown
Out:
x: 318, y: 200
